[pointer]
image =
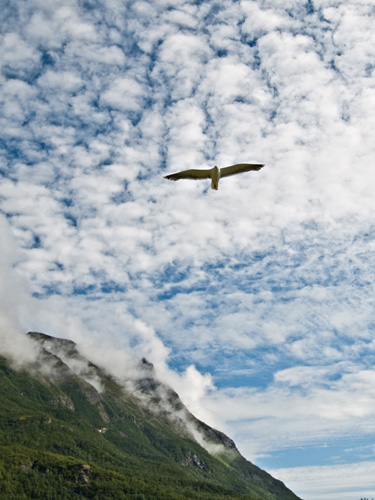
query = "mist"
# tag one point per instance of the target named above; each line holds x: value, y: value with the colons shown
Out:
x: 14, y: 301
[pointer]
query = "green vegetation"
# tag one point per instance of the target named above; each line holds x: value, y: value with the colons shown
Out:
x: 61, y: 439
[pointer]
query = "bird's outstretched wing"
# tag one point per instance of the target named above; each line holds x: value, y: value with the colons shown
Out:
x: 189, y: 174
x: 239, y: 168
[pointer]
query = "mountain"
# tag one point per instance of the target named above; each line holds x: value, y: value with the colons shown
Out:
x: 70, y: 430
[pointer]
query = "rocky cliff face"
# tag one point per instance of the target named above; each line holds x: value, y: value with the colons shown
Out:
x: 140, y: 421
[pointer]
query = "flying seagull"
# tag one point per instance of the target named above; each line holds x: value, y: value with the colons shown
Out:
x: 215, y: 174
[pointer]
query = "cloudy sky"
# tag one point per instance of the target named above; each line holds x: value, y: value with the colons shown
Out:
x: 256, y: 302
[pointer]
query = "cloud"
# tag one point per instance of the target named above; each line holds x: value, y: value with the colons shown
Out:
x: 66, y: 81
x: 304, y: 406
x: 14, y: 345
x: 124, y: 94
x: 16, y: 54
x: 14, y: 302
x: 327, y: 482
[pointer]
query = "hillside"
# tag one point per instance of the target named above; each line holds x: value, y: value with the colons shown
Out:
x: 70, y: 430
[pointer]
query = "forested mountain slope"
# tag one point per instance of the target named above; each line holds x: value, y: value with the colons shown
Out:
x: 70, y: 430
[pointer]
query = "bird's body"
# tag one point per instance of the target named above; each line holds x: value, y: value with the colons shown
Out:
x: 215, y: 173
x: 215, y: 177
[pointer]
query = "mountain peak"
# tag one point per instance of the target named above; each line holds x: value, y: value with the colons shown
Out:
x: 51, y: 343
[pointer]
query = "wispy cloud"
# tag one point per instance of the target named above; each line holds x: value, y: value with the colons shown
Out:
x: 329, y: 482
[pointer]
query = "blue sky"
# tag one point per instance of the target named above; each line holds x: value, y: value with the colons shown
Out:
x: 256, y: 302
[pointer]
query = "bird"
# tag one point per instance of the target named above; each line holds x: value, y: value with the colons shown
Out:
x: 215, y: 173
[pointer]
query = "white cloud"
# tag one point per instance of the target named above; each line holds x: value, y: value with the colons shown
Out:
x: 260, y: 21
x: 15, y: 303
x: 16, y: 52
x: 14, y: 345
x: 16, y: 95
x: 66, y: 81
x: 303, y: 406
x: 330, y: 482
x: 125, y: 94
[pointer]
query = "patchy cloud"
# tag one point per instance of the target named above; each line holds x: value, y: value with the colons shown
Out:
x: 326, y: 482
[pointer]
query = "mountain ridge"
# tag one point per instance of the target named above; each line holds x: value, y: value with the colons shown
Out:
x: 71, y: 412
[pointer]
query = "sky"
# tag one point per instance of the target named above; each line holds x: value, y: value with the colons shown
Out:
x: 255, y: 302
